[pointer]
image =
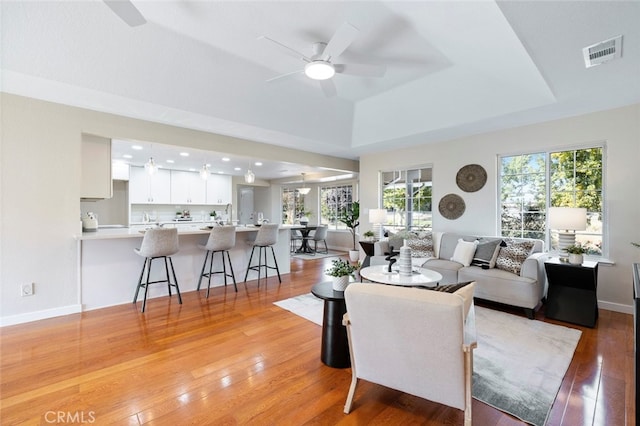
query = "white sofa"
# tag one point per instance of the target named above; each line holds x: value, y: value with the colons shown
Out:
x: 525, y: 289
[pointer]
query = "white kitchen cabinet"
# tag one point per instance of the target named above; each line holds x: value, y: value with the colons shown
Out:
x: 187, y: 188
x: 96, y: 168
x: 219, y: 189
x: 149, y: 189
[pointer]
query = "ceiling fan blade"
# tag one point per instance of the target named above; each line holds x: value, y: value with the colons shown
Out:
x: 126, y: 11
x: 286, y: 48
x: 329, y: 88
x: 365, y: 70
x: 289, y: 74
x: 344, y: 36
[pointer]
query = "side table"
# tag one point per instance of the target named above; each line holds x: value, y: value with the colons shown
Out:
x: 572, y: 292
x: 367, y: 247
x: 335, y: 345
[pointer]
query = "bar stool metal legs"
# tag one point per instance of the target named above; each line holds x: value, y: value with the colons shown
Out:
x: 262, y: 253
x: 211, y: 272
x: 146, y: 267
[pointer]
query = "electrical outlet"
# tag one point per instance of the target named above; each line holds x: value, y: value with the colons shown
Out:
x: 26, y: 289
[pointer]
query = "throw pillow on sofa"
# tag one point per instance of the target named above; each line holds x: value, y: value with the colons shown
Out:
x: 422, y: 246
x: 464, y: 251
x: 513, y: 255
x: 486, y: 253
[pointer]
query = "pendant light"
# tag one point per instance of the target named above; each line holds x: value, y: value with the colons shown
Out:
x: 204, y: 172
x: 150, y: 166
x: 249, y: 177
x: 303, y: 189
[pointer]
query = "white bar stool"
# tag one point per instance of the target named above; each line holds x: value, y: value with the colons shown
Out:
x: 267, y: 236
x: 157, y: 243
x: 221, y: 240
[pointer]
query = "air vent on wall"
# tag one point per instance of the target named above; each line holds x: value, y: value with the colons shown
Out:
x: 602, y: 52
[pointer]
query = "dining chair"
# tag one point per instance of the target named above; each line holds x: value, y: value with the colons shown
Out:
x: 320, y: 234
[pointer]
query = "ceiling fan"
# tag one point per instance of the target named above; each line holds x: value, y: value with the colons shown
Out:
x: 321, y: 67
x: 126, y: 11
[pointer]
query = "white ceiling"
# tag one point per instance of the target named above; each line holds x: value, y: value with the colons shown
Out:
x: 453, y: 68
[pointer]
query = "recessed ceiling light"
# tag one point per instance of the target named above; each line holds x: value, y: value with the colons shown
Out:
x: 257, y: 163
x: 184, y: 154
x: 226, y: 159
x: 192, y: 169
x: 170, y: 161
x: 136, y: 147
x: 127, y: 156
x: 220, y: 172
x: 237, y: 168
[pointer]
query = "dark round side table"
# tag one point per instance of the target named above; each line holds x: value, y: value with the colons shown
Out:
x: 335, y: 346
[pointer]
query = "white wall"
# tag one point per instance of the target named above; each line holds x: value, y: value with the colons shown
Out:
x: 40, y: 193
x: 619, y: 128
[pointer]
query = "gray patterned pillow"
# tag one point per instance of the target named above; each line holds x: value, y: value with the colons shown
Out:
x: 513, y: 255
x: 486, y: 252
x: 421, y: 247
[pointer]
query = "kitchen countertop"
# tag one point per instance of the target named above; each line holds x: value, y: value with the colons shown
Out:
x: 138, y: 231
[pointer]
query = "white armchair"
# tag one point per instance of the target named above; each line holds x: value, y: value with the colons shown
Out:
x: 413, y: 340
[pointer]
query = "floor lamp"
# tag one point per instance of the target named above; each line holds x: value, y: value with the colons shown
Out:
x: 567, y: 220
x: 378, y: 217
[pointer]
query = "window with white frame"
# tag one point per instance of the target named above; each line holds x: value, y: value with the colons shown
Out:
x: 407, y: 197
x: 292, y: 205
x: 332, y: 200
x: 530, y: 183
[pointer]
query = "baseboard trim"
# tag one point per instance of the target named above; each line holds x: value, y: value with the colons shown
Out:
x: 615, y: 307
x: 40, y: 315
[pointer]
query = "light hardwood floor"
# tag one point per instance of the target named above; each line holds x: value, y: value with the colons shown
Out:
x: 238, y: 359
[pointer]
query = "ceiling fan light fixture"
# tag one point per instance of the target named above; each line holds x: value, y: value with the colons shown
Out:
x: 319, y: 70
x: 249, y: 177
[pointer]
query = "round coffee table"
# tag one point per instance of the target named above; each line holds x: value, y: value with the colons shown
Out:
x: 381, y: 274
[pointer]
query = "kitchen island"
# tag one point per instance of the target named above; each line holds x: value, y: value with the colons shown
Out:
x: 109, y: 268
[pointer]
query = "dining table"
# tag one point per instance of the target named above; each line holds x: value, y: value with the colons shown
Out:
x: 305, y: 230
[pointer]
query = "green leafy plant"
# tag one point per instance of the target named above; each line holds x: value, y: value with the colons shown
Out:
x: 368, y: 234
x: 575, y: 249
x: 350, y: 216
x: 341, y: 268
x: 213, y: 213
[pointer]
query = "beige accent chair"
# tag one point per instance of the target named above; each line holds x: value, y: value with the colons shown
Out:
x: 413, y: 340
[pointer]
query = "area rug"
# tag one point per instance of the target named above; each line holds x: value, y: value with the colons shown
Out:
x: 518, y: 364
x: 318, y: 255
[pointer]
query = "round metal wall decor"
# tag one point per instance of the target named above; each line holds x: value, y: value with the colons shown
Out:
x: 471, y: 177
x: 451, y: 206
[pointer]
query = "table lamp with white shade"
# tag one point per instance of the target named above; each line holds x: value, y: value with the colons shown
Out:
x: 567, y: 220
x: 377, y: 217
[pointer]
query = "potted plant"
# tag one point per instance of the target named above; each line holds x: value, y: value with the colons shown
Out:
x: 212, y: 215
x: 369, y: 235
x: 350, y: 216
x: 341, y: 270
x: 576, y: 253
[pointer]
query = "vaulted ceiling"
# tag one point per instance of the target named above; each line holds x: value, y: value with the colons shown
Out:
x: 453, y: 68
